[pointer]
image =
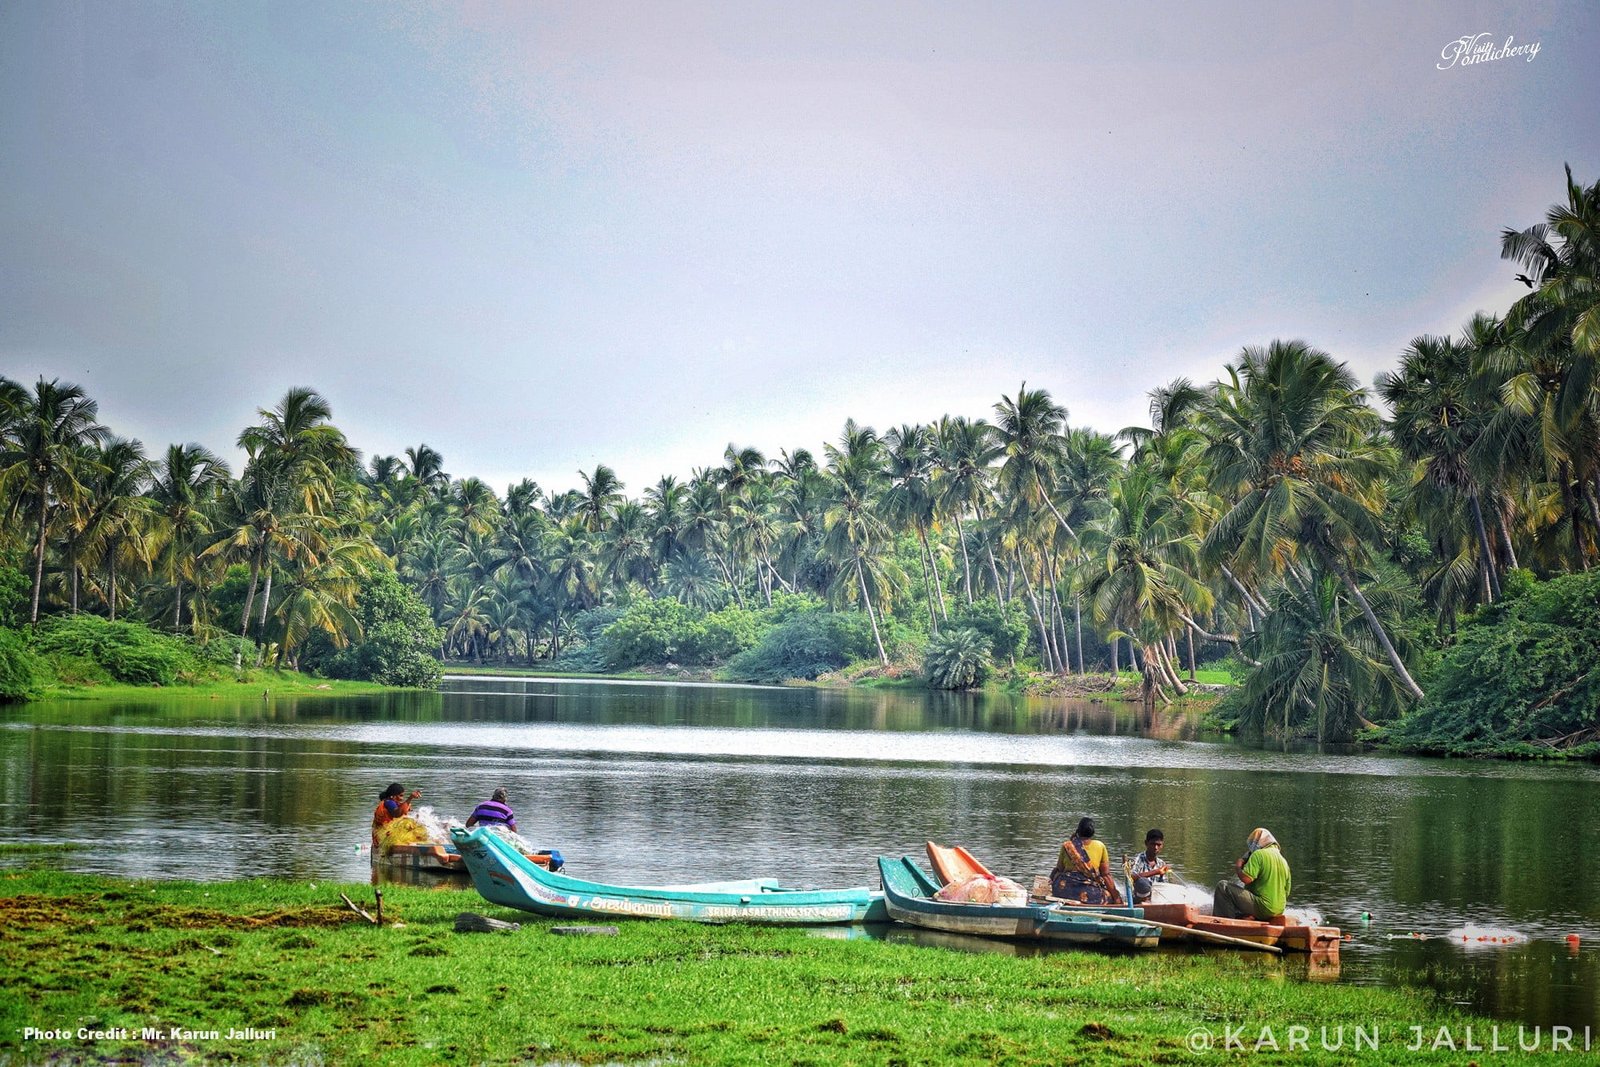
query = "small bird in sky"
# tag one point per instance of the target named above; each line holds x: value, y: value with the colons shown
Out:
x: 1525, y: 280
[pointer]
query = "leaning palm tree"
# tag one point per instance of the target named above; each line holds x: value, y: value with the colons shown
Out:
x: 42, y: 462
x: 1292, y: 444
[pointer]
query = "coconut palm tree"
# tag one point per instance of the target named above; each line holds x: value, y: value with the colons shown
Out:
x: 116, y: 515
x: 185, y: 488
x: 911, y: 500
x: 1435, y: 421
x: 965, y: 451
x: 853, y: 532
x: 1029, y: 432
x: 601, y: 492
x: 1291, y: 444
x: 42, y: 462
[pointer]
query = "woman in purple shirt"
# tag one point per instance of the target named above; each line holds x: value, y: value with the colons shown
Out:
x: 494, y: 812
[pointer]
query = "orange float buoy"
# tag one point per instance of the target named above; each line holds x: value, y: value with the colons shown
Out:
x: 1572, y: 940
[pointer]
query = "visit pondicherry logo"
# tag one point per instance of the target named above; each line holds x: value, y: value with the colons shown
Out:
x: 1481, y: 48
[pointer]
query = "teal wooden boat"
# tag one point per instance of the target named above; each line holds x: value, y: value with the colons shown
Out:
x: 909, y: 893
x: 504, y: 876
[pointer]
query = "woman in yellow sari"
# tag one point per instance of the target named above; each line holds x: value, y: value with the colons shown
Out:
x: 1082, y: 872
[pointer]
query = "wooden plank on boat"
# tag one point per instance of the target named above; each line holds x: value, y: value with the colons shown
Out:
x: 954, y: 864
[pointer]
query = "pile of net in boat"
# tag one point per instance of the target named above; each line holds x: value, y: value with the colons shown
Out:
x: 984, y: 889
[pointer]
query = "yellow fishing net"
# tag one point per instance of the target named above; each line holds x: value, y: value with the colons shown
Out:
x: 402, y: 831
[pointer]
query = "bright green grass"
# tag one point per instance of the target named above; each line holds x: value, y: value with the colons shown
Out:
x: 90, y: 952
x: 253, y: 684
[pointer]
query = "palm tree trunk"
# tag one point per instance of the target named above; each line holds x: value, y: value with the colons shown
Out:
x: 1483, y: 547
x: 861, y: 578
x: 966, y: 562
x: 1254, y: 606
x: 1505, y: 539
x: 1065, y: 525
x: 927, y: 584
x: 111, y: 579
x: 1045, y: 652
x: 177, y: 608
x: 261, y: 630
x: 938, y: 585
x: 1188, y: 635
x: 249, y: 603
x: 1383, y: 637
x: 38, y: 556
x: 1077, y: 623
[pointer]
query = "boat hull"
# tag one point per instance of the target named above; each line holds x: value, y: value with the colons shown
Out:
x: 909, y: 895
x: 504, y: 876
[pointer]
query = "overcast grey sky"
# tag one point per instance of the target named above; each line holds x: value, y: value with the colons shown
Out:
x: 541, y: 236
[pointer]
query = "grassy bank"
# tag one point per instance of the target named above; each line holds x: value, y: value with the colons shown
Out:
x: 288, y: 961
x: 253, y: 684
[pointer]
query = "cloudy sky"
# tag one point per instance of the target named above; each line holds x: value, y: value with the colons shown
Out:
x: 540, y: 236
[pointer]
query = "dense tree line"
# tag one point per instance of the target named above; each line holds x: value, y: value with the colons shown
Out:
x: 1332, y: 546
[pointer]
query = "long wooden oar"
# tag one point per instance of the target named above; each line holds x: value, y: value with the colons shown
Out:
x: 1204, y: 935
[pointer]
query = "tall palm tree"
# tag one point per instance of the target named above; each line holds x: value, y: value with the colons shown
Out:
x: 186, y: 484
x: 1291, y: 443
x: 911, y: 500
x: 117, y: 512
x: 1029, y: 430
x: 853, y: 531
x: 42, y: 465
x: 966, y: 450
x: 1435, y: 422
x: 601, y: 492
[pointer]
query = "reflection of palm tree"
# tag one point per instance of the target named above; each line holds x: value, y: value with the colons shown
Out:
x: 41, y: 464
x: 1292, y: 442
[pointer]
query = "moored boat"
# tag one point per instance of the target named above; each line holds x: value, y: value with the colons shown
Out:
x: 504, y: 876
x: 910, y: 893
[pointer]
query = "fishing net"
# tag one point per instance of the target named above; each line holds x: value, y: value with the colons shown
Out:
x: 402, y: 831
x: 984, y: 889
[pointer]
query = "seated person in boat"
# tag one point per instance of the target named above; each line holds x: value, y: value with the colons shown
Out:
x: 1082, y: 873
x: 393, y: 803
x: 1148, y: 867
x: 1264, y: 874
x: 494, y: 812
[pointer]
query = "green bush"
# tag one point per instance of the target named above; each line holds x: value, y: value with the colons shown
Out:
x: 656, y: 631
x: 398, y: 637
x: 128, y: 651
x: 16, y: 591
x: 1005, y: 628
x: 1523, y: 672
x: 806, y: 645
x: 22, y: 674
x: 729, y: 632
x: 957, y: 659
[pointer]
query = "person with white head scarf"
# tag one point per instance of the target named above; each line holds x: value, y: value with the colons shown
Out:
x: 1262, y: 891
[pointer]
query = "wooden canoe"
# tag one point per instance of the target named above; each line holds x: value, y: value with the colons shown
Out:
x: 435, y: 859
x: 504, y: 876
x: 909, y: 891
x: 1314, y: 939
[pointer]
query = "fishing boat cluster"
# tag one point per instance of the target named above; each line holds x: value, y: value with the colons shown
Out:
x: 957, y: 895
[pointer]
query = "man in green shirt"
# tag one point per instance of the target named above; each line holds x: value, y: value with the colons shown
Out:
x: 1265, y: 877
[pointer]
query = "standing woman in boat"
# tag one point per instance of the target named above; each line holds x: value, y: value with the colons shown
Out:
x: 1083, y: 871
x: 393, y: 803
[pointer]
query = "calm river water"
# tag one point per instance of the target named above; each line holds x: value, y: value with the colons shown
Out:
x: 640, y: 782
